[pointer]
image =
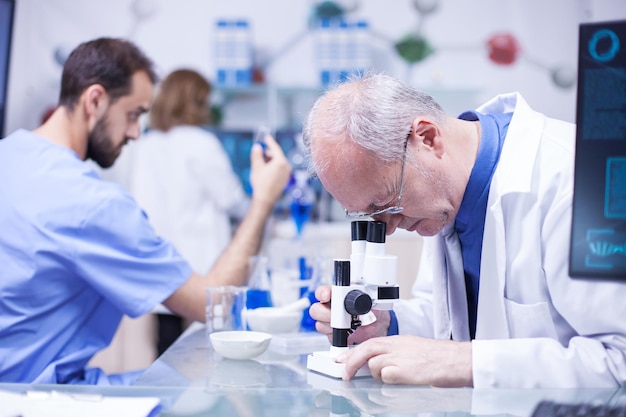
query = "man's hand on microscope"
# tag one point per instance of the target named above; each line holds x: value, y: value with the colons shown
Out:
x: 398, y: 359
x: 320, y: 312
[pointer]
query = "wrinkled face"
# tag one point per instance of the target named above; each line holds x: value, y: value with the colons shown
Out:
x: 361, y: 183
x: 120, y: 122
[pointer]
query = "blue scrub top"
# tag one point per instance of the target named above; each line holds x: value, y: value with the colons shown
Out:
x: 77, y: 253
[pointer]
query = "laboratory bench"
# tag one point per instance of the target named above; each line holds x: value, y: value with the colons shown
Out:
x: 191, y: 379
x: 194, y: 380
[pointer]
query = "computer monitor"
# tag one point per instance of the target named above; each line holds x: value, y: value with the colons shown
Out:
x: 7, y: 9
x: 598, y: 240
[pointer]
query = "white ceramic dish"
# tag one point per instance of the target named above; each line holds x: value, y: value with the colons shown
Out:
x: 273, y: 320
x: 240, y: 344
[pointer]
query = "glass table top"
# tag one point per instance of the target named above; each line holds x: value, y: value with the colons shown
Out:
x: 191, y: 379
x: 278, y: 383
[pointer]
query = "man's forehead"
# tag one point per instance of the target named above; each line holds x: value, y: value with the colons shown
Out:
x: 340, y: 153
x: 350, y: 174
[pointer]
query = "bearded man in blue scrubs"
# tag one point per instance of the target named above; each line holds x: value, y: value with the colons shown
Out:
x: 77, y: 253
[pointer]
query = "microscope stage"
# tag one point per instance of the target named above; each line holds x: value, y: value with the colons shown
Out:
x: 324, y: 363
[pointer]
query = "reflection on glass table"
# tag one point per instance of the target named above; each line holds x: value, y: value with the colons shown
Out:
x: 200, y: 382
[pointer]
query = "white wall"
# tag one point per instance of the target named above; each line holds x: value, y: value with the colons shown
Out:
x: 180, y: 33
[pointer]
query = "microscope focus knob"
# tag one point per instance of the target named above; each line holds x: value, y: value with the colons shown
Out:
x: 357, y: 303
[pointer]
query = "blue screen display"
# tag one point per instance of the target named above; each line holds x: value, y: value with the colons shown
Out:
x: 598, y: 243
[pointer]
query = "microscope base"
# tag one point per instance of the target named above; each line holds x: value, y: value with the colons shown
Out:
x: 324, y: 363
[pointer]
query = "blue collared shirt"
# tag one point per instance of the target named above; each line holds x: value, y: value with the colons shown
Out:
x: 470, y: 220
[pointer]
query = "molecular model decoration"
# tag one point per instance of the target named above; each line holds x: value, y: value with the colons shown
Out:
x: 503, y: 48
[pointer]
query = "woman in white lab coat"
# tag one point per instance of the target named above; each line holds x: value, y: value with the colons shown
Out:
x: 181, y: 175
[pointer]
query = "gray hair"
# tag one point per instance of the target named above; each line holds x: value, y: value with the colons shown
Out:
x: 373, y: 110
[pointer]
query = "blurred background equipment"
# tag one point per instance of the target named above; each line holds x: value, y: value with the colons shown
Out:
x: 7, y: 9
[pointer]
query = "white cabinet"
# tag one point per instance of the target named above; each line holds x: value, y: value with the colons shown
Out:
x: 276, y: 107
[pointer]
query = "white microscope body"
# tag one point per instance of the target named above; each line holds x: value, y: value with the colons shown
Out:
x: 367, y: 281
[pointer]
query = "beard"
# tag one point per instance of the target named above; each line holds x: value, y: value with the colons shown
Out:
x: 100, y: 147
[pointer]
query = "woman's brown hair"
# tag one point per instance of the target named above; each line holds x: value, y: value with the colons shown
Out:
x: 182, y: 99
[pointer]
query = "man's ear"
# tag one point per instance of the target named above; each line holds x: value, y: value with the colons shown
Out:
x: 428, y: 135
x: 95, y: 103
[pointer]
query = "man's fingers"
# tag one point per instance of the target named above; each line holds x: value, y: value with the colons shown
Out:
x: 323, y: 294
x: 359, y: 355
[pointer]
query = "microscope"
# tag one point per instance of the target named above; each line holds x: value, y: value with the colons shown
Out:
x: 365, y: 282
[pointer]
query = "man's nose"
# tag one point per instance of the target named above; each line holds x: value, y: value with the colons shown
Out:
x: 134, y: 131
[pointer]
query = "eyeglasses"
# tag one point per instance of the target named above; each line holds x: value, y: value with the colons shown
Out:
x: 389, y: 210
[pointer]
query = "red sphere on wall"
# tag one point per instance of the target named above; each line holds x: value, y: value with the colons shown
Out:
x: 503, y: 48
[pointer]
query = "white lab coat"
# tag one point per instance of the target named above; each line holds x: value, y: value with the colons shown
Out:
x: 184, y: 181
x: 536, y: 326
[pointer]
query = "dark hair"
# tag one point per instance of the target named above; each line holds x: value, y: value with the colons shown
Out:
x: 105, y: 61
x: 182, y: 99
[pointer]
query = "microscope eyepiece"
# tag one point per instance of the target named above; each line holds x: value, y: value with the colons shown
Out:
x: 376, y: 232
x: 359, y: 229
